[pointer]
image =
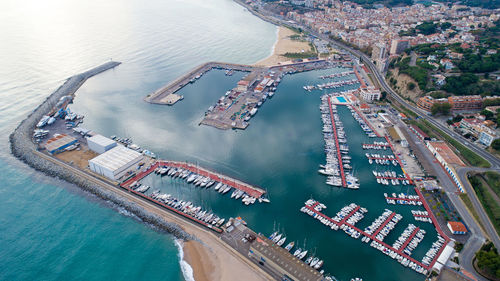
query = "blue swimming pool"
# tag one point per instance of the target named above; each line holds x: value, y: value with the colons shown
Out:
x: 341, y: 99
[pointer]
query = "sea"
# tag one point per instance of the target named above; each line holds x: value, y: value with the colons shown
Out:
x: 51, y: 230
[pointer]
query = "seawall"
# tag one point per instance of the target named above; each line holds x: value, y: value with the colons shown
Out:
x: 25, y: 149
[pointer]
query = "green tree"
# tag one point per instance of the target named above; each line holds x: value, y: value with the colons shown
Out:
x: 496, y: 144
x: 441, y: 108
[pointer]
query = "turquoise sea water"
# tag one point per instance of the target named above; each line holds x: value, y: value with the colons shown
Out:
x: 50, y: 230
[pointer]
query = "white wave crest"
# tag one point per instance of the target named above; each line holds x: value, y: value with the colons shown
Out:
x: 187, y: 270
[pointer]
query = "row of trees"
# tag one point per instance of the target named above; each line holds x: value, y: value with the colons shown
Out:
x: 441, y: 108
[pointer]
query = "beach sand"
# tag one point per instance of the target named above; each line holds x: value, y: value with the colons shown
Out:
x: 211, y: 259
x: 283, y: 45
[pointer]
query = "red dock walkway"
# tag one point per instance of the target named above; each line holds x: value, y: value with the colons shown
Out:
x: 436, y: 225
x: 379, y: 158
x: 387, y: 220
x: 250, y: 190
x: 370, y: 236
x: 145, y: 197
x: 421, y: 216
x: 402, y: 248
x: 398, y: 159
x: 366, y: 121
x: 404, y: 199
x: 339, y: 156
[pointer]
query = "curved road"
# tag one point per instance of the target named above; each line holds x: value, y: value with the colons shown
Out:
x: 477, y: 238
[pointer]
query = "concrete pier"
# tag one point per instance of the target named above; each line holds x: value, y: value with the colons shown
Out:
x: 165, y: 95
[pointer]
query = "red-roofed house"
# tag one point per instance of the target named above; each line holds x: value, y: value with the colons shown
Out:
x: 364, y: 108
x: 457, y: 227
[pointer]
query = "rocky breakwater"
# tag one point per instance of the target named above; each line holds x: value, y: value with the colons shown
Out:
x: 25, y: 149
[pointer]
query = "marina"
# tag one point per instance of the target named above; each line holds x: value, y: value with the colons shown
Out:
x: 375, y: 145
x: 400, y: 251
x: 334, y: 134
x: 237, y: 106
x: 166, y: 94
x: 245, y: 162
x: 189, y: 169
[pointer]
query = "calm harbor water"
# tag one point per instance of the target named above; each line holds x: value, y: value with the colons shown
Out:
x: 50, y: 230
x: 280, y: 151
x: 53, y: 231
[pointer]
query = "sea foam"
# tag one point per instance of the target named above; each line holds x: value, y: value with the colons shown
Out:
x: 187, y: 270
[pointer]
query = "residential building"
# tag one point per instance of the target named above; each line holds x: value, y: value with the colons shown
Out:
x: 458, y: 103
x: 370, y: 94
x: 486, y: 138
x: 426, y: 102
x: 474, y: 102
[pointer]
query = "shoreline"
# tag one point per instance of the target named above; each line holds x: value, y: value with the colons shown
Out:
x: 25, y: 150
x: 283, y: 45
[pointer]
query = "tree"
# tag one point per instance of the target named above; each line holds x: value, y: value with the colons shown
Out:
x: 458, y: 84
x: 488, y: 114
x: 445, y: 25
x: 496, y: 144
x: 441, y: 108
x: 411, y: 86
x: 426, y: 28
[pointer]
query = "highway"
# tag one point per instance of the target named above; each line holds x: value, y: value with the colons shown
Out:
x: 477, y: 238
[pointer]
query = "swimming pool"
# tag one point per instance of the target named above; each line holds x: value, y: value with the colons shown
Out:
x: 341, y: 99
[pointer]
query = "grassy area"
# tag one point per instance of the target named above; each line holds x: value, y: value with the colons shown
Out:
x: 406, y: 111
x: 493, y: 180
x: 465, y: 198
x: 424, y: 128
x: 491, y: 206
x: 471, y: 157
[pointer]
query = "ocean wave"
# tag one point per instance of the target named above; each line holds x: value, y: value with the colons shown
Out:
x: 186, y: 269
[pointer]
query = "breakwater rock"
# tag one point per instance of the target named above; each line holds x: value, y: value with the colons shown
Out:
x: 24, y: 148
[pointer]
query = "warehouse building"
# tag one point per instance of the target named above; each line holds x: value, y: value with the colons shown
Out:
x: 115, y: 162
x: 100, y: 144
x: 59, y: 143
x: 448, y: 160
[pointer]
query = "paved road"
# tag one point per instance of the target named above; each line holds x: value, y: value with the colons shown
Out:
x: 489, y: 228
x: 477, y: 237
x: 147, y: 205
x: 495, y: 162
x: 265, y: 15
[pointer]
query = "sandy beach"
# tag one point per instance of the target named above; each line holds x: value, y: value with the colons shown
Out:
x: 283, y: 45
x: 211, y: 259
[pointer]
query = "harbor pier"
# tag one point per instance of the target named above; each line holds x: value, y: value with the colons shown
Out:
x: 251, y: 190
x: 166, y: 94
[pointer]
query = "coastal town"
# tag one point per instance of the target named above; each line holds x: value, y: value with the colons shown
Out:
x: 410, y: 175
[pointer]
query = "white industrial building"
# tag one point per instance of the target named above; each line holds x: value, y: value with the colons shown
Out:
x: 114, y: 163
x: 100, y: 144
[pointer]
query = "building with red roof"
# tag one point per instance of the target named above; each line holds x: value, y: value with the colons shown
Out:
x: 457, y: 227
